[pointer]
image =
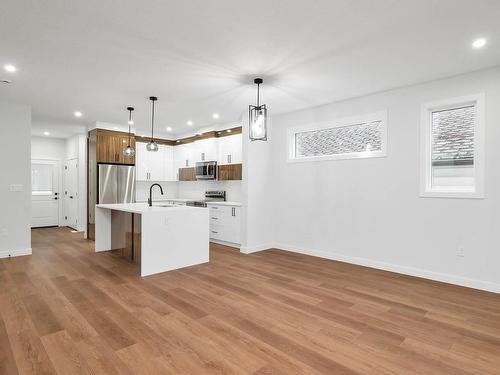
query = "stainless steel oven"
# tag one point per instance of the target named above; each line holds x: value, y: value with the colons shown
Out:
x: 206, y: 170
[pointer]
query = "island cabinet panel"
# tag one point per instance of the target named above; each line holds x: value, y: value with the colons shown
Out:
x: 229, y: 172
x: 187, y: 174
x: 110, y: 146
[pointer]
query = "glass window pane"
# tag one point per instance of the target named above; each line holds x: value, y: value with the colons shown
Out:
x: 359, y: 138
x: 41, y: 178
x: 453, y: 147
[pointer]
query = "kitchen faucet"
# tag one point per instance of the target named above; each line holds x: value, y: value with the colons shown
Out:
x: 150, y: 200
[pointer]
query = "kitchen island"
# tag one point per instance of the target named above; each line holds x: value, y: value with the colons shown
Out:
x: 161, y: 238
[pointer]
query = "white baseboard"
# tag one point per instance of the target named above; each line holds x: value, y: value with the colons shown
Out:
x: 405, y: 270
x: 225, y: 243
x: 254, y: 249
x: 14, y: 253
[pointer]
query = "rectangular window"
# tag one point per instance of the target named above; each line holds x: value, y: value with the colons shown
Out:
x: 355, y: 137
x: 452, y: 147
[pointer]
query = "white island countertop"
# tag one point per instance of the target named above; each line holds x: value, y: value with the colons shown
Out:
x: 143, y: 208
x: 171, y: 236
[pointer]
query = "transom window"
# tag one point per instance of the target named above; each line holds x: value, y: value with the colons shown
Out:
x: 452, y: 144
x: 355, y: 137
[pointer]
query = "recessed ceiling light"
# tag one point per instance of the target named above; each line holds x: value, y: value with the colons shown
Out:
x: 78, y: 114
x: 215, y: 115
x: 190, y: 123
x: 46, y: 133
x: 479, y: 43
x: 169, y: 129
x: 9, y: 68
x: 229, y: 130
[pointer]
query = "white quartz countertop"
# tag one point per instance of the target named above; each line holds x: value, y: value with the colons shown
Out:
x: 143, y: 208
x: 226, y: 203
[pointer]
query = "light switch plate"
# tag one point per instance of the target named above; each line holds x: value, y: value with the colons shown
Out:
x: 16, y: 187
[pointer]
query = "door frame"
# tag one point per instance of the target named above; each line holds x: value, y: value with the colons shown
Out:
x: 59, y: 184
x: 77, y: 191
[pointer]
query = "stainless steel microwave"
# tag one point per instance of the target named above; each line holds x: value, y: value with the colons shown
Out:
x: 206, y: 170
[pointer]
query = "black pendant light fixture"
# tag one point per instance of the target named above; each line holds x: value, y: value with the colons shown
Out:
x: 129, y: 151
x: 152, y: 145
x: 257, y: 116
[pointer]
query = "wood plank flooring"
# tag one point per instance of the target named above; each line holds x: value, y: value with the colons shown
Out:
x: 68, y: 310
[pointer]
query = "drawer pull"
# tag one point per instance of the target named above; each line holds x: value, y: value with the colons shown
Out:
x: 215, y: 232
x: 215, y: 218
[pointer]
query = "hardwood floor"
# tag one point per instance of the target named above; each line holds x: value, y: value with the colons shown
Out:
x: 68, y: 310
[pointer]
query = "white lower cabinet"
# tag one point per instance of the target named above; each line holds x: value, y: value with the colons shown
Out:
x: 225, y: 223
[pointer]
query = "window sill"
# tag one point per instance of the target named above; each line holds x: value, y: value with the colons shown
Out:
x: 452, y: 194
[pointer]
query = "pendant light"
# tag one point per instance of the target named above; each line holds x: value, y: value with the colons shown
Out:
x: 129, y: 151
x: 152, y: 145
x: 257, y: 115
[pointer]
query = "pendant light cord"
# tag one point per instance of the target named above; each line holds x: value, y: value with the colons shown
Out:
x: 258, y: 94
x: 152, y: 119
x: 129, y: 121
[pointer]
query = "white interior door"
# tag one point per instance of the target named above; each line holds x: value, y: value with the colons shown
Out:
x: 44, y: 193
x: 71, y: 193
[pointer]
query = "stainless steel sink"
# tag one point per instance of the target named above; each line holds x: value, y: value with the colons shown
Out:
x: 163, y: 205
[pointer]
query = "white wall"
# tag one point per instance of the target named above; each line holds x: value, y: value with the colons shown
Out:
x: 368, y: 211
x: 15, y: 156
x: 258, y: 191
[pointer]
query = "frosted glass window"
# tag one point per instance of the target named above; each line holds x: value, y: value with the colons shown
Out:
x: 362, y: 136
x: 42, y: 178
x: 342, y: 140
x: 452, y: 148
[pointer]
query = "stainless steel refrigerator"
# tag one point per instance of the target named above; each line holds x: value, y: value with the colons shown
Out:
x: 116, y: 183
x: 108, y: 183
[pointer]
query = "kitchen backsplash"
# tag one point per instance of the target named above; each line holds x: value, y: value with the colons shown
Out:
x: 189, y: 189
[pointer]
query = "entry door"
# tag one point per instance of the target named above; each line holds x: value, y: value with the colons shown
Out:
x: 44, y: 193
x: 71, y: 193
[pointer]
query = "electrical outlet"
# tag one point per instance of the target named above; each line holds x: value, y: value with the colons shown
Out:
x: 460, y: 252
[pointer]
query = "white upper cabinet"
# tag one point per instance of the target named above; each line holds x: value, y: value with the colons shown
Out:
x: 230, y: 149
x: 150, y: 166
x: 206, y: 149
x: 169, y: 171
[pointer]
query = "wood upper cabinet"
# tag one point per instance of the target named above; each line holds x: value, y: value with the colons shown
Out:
x: 187, y: 174
x: 110, y: 146
x: 229, y: 172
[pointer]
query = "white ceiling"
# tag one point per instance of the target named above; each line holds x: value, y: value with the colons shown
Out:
x: 200, y: 56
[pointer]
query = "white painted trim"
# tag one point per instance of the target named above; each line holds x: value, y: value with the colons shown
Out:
x: 15, y: 253
x: 254, y: 249
x: 338, y: 123
x: 426, y: 190
x: 405, y: 270
x: 225, y: 243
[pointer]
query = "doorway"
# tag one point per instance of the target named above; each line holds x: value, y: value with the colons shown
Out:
x: 44, y: 193
x: 71, y: 193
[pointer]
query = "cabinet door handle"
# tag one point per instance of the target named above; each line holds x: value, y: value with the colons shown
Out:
x: 215, y: 208
x: 229, y: 158
x: 214, y: 232
x: 215, y: 218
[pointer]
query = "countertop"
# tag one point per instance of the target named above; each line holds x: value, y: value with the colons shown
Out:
x: 143, y: 208
x: 223, y: 203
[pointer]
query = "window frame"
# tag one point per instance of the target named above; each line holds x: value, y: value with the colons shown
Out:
x: 426, y: 188
x: 339, y: 123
